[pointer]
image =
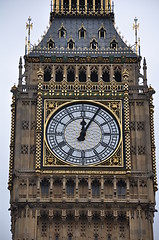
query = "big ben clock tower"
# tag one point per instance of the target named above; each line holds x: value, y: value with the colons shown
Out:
x: 82, y: 152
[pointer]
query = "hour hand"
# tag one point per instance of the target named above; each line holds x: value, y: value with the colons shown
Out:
x: 83, y: 131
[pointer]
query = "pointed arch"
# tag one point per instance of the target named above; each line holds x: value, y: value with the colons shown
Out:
x: 82, y: 74
x: 94, y: 44
x: 62, y: 32
x: 71, y: 44
x: 82, y: 32
x: 102, y: 32
x: 50, y: 43
x: 117, y: 74
x: 70, y: 74
x: 106, y: 75
x: 59, y: 74
x: 47, y: 74
x: 114, y: 44
x: 94, y: 74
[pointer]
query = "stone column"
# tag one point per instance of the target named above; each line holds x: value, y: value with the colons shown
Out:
x: 102, y: 188
x: 111, y: 73
x: 106, y: 5
x: 38, y: 188
x: 85, y: 5
x: 101, y: 5
x: 78, y: 5
x: 89, y: 187
x: 99, y: 72
x: 88, y: 72
x: 77, y: 189
x: 76, y: 72
x: 93, y: 5
x: 57, y: 5
x: 53, y: 7
x: 51, y: 186
x: 53, y: 73
x: 61, y: 5
x: 64, y: 187
x: 115, y: 188
x: 70, y: 6
x: 65, y: 73
x: 127, y: 189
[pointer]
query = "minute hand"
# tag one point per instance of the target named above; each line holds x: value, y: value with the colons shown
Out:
x: 92, y: 119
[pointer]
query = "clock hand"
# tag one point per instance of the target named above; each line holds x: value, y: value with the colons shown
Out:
x: 83, y: 130
x: 82, y: 133
x: 92, y: 119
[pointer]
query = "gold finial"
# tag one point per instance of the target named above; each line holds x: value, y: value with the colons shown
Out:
x: 29, y: 26
x: 136, y: 27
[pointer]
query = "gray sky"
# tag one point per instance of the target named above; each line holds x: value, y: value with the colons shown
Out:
x: 13, y: 17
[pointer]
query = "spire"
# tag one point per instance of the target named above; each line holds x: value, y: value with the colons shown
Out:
x: 20, y: 71
x: 51, y: 5
x: 29, y: 26
x: 136, y: 27
x: 145, y: 71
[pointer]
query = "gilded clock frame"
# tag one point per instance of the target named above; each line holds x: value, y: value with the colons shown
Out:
x: 51, y: 160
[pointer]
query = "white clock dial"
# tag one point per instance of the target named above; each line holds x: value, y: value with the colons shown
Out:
x: 82, y: 133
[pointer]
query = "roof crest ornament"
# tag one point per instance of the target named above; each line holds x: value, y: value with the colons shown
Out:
x: 29, y: 26
x: 136, y: 28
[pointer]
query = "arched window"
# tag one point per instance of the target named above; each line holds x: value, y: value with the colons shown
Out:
x: 47, y: 74
x: 96, y: 237
x: 95, y: 188
x: 57, y: 188
x: 97, y: 5
x: 109, y: 237
x: 45, y: 187
x: 114, y: 44
x: 94, y: 44
x: 70, y: 74
x: 56, y: 237
x: 106, y: 75
x: 70, y: 185
x: 82, y: 4
x: 66, y: 4
x: 71, y: 44
x: 73, y: 4
x: 83, y: 188
x: 102, y: 32
x: 121, y: 186
x: 108, y: 188
x: 50, y: 44
x: 62, y: 32
x: 82, y: 74
x: 59, y: 74
x: 94, y: 75
x: 69, y: 237
x: 90, y: 4
x: 82, y: 32
x: 117, y: 75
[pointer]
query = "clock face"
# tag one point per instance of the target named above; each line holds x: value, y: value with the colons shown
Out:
x: 82, y: 133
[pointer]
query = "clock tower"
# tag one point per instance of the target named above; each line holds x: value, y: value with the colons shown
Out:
x: 82, y: 152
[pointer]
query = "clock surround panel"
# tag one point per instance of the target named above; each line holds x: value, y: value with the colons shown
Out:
x: 60, y: 150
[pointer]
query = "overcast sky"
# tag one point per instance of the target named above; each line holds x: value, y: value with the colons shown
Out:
x: 13, y: 17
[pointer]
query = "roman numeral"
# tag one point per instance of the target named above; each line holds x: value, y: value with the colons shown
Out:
x: 70, y: 151
x: 104, y: 144
x: 61, y: 144
x: 107, y: 134
x: 70, y: 114
x: 83, y: 156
